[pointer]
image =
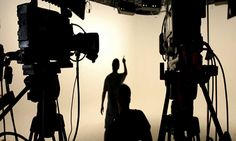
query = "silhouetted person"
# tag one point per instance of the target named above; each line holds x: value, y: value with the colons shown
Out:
x: 111, y: 86
x: 131, y: 124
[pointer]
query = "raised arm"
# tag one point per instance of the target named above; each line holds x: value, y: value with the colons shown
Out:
x: 125, y: 68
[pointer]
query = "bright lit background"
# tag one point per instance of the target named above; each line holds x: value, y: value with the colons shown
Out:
x: 136, y: 38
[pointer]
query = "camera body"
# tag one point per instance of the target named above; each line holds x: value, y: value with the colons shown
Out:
x: 46, y: 36
x: 43, y: 35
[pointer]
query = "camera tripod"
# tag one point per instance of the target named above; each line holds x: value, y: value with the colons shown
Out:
x: 43, y: 87
x: 181, y: 46
x: 181, y: 123
x: 45, y: 90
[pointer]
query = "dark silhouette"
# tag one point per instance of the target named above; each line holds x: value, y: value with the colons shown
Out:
x: 111, y: 86
x: 131, y: 124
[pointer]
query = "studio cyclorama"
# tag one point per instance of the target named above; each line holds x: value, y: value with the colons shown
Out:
x: 49, y: 44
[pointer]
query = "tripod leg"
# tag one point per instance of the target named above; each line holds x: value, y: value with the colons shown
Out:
x: 198, y: 137
x: 62, y: 131
x: 169, y: 135
x: 162, y: 131
x: 19, y: 96
x: 53, y: 138
x: 62, y: 135
x: 223, y: 137
x: 213, y: 113
x: 36, y: 136
x: 30, y: 136
x: 13, y: 122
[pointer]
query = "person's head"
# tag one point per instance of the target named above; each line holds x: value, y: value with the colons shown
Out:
x: 115, y: 64
x: 124, y: 97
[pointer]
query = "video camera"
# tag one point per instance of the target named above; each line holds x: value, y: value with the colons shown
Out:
x: 46, y: 36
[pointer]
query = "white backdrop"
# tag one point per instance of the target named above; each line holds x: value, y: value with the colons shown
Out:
x: 136, y: 38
